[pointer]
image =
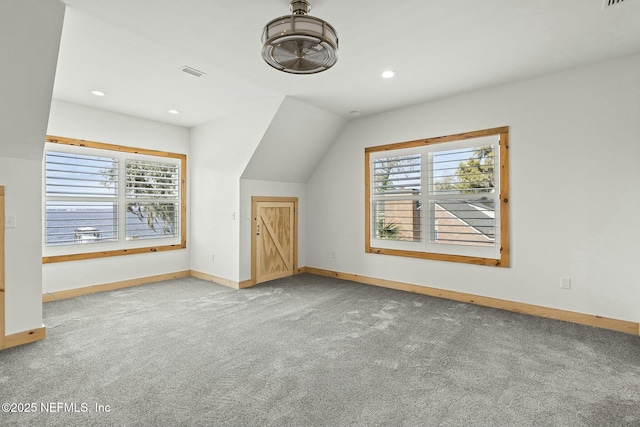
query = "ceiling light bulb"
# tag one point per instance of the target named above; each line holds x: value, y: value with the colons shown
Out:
x: 172, y: 111
x: 388, y: 74
x: 98, y: 93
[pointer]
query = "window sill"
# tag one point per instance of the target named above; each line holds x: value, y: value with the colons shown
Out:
x: 105, y: 254
x: 439, y: 257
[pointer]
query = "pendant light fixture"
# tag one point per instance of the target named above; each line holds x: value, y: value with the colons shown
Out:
x: 299, y: 43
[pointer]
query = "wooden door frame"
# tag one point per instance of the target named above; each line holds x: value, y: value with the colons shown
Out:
x: 2, y: 288
x: 254, y: 221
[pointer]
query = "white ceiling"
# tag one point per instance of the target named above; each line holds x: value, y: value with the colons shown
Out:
x: 134, y: 50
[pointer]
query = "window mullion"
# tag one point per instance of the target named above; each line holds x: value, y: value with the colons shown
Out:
x: 426, y: 179
x: 122, y: 201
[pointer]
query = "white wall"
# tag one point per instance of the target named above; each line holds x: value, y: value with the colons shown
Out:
x: 29, y: 41
x: 220, y: 151
x: 30, y: 33
x: 76, y: 121
x: 23, y: 255
x: 574, y: 199
x: 249, y: 188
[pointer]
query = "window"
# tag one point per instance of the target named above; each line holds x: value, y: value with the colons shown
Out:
x: 106, y: 200
x: 442, y: 198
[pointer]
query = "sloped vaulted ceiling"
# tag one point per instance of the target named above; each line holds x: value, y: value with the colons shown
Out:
x: 296, y: 140
x: 134, y: 50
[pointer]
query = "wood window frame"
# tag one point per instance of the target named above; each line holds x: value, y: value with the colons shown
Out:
x: 182, y: 158
x: 503, y: 197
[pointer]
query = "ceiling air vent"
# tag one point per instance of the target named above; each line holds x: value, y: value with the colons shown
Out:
x: 607, y: 3
x: 192, y: 71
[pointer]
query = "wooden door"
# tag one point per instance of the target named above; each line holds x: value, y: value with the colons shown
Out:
x: 2, y: 320
x: 274, y: 241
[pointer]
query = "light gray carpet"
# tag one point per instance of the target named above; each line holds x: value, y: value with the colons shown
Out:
x: 310, y: 350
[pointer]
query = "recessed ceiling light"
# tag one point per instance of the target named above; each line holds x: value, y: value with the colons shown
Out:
x: 172, y: 111
x: 354, y: 113
x: 388, y: 74
x: 98, y: 93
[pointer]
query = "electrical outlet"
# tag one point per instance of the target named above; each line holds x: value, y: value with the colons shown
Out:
x: 10, y: 221
x: 213, y: 257
x: 565, y: 283
x: 333, y: 254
